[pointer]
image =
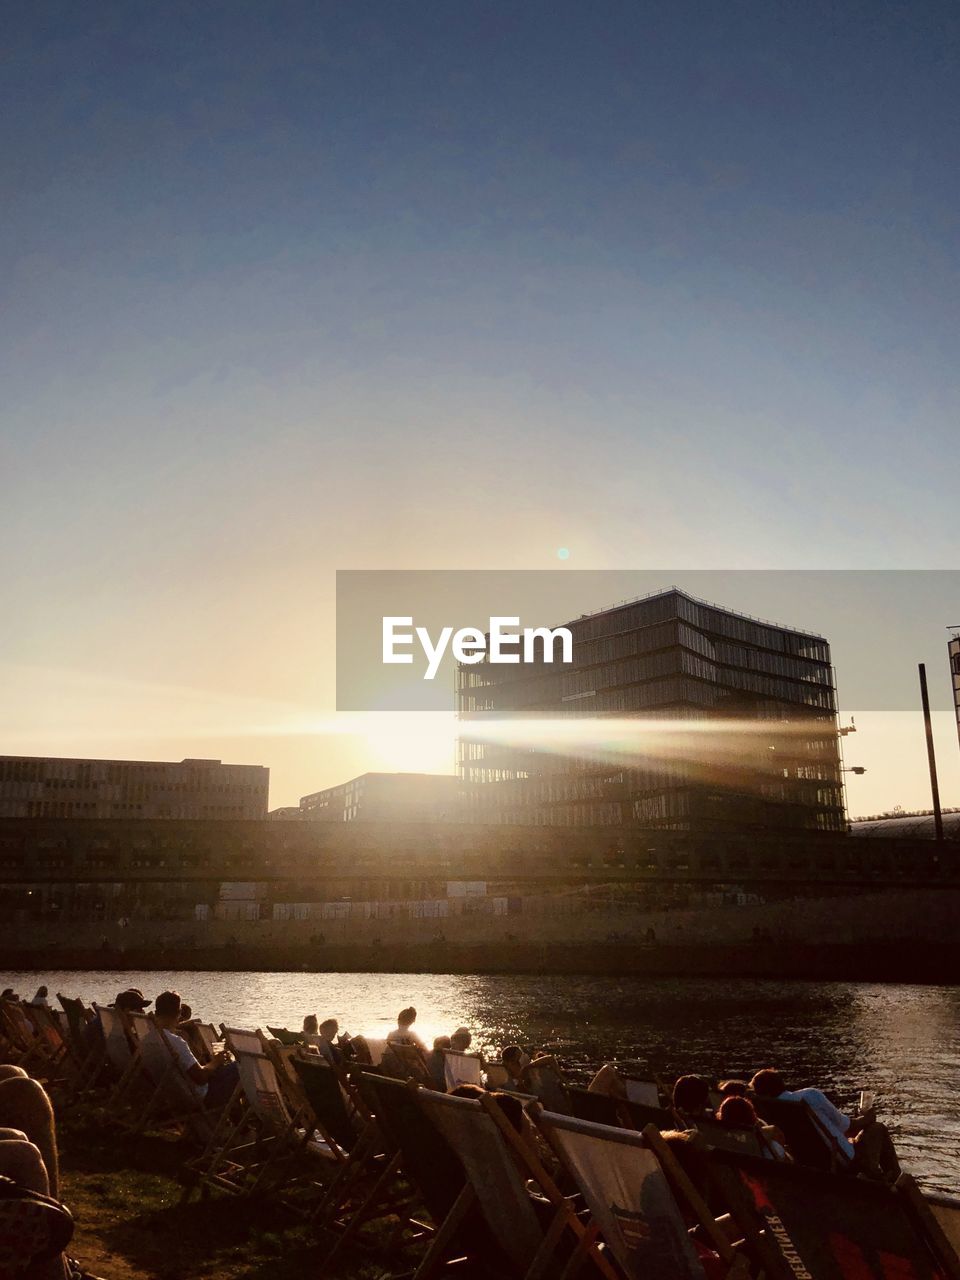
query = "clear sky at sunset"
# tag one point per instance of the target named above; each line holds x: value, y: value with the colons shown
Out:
x: 293, y: 287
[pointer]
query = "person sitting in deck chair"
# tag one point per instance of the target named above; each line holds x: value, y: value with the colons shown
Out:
x: 514, y: 1062
x: 609, y: 1082
x: 311, y: 1030
x: 435, y: 1061
x: 735, y: 1112
x: 733, y: 1089
x: 461, y: 1040
x: 862, y: 1140
x: 691, y: 1099
x: 326, y: 1042
x: 215, y: 1082
x: 403, y: 1032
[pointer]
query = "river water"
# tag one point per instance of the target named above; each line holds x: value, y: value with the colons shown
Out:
x: 903, y: 1042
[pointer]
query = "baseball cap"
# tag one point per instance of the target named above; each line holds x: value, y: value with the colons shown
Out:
x: 131, y: 998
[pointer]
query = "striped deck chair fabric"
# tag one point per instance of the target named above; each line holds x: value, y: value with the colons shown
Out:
x: 460, y: 1068
x: 628, y: 1195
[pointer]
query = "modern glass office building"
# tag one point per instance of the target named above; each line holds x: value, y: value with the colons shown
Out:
x: 695, y: 718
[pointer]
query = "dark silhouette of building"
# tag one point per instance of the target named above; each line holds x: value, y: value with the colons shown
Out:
x: 46, y: 787
x: 732, y: 725
x: 385, y: 797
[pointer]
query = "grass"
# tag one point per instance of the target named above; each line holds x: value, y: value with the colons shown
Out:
x: 131, y: 1224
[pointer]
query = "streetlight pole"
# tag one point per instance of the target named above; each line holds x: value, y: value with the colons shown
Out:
x: 931, y: 754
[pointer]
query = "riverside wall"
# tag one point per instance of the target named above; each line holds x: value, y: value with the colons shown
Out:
x: 894, y: 935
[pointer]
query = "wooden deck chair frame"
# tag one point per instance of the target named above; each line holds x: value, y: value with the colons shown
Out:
x: 421, y: 1164
x: 89, y: 1059
x: 365, y: 1174
x: 62, y: 1068
x: 677, y: 1181
x: 519, y: 1152
x: 45, y: 1042
x: 275, y: 1151
x: 116, y: 1034
x: 187, y: 1108
x: 27, y: 1047
x: 737, y: 1263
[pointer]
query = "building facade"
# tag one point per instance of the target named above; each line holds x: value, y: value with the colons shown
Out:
x: 732, y: 724
x: 953, y: 649
x: 45, y: 787
x: 385, y: 797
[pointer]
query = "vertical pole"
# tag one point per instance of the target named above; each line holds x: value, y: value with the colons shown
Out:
x: 931, y: 756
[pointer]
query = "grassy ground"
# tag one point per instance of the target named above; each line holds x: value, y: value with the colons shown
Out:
x: 131, y: 1225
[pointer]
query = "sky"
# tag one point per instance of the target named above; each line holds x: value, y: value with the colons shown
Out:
x: 296, y: 287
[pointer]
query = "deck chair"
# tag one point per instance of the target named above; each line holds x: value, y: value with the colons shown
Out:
x: 25, y: 1046
x: 189, y: 1031
x: 543, y: 1078
x: 599, y: 1108
x: 641, y: 1116
x: 808, y: 1141
x: 644, y: 1092
x: 406, y: 1062
x: 805, y: 1222
x: 49, y: 1050
x: 239, y: 1040
x: 325, y: 1095
x: 119, y: 1054
x: 498, y: 1162
x: 498, y: 1077
x: 946, y: 1212
x: 88, y: 1053
x: 173, y: 1102
x: 428, y: 1162
x: 206, y: 1032
x: 263, y: 1131
x: 284, y: 1132
x: 631, y: 1200
x: 461, y: 1068
x: 286, y: 1037
x: 747, y: 1142
x: 368, y: 1051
